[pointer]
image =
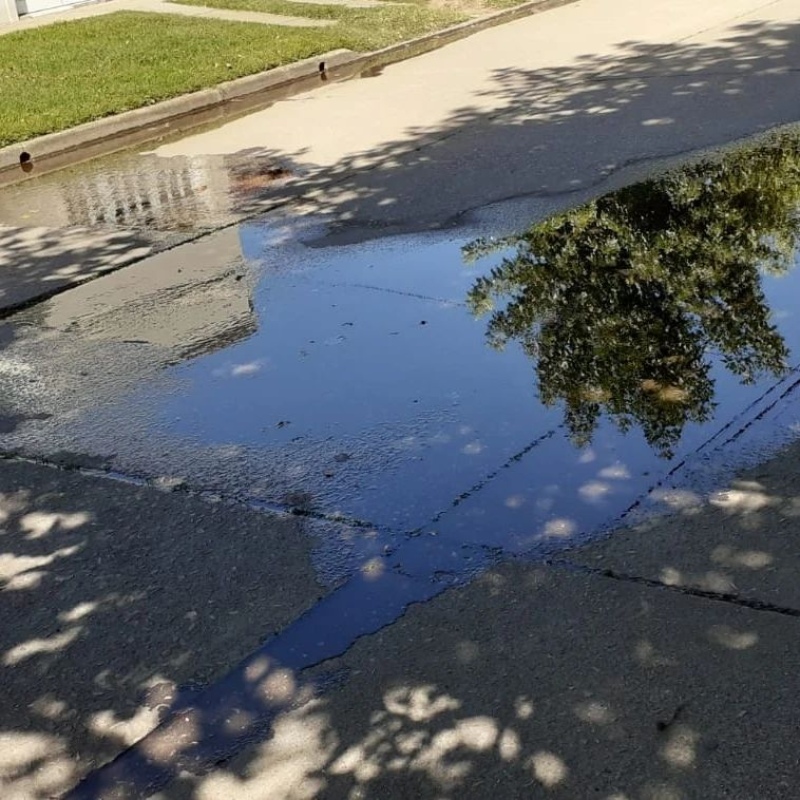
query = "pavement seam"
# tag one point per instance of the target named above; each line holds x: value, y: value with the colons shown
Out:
x: 742, y: 15
x: 479, y: 485
x: 208, y: 496
x: 730, y: 598
x: 604, y: 77
x: 731, y: 424
x: 142, y: 776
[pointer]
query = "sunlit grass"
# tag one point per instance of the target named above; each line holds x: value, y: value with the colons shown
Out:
x: 357, y: 29
x: 61, y: 75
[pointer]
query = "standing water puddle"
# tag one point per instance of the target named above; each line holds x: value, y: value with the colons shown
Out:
x: 145, y: 192
x: 435, y: 404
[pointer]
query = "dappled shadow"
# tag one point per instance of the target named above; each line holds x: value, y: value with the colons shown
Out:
x: 593, y: 675
x: 37, y: 262
x: 113, y: 597
x: 616, y: 674
x: 542, y: 682
x: 489, y: 690
x: 560, y: 132
x: 739, y: 539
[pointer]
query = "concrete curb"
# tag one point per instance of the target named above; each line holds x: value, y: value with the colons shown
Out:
x: 233, y: 98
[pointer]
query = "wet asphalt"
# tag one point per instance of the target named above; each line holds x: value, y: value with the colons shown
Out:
x: 351, y: 384
x: 363, y: 391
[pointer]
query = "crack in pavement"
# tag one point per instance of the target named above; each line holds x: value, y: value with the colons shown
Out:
x: 736, y: 419
x: 477, y: 487
x: 414, y: 295
x: 706, y: 594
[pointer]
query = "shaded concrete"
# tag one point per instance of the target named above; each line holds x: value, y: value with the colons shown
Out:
x: 111, y: 600
x: 35, y: 262
x: 534, y: 682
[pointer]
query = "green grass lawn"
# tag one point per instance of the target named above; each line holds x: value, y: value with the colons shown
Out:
x: 357, y: 29
x: 60, y: 75
x: 288, y: 8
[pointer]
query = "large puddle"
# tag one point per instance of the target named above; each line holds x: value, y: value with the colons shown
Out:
x: 434, y: 404
x: 513, y: 393
x: 144, y: 192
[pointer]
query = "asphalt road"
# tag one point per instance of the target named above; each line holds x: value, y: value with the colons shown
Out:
x: 278, y: 524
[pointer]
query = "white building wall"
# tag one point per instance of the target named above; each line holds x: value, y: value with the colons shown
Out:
x: 8, y: 11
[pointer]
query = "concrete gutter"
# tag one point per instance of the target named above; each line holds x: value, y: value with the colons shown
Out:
x: 233, y: 98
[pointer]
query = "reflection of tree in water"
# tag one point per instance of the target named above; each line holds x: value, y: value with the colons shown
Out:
x: 622, y: 301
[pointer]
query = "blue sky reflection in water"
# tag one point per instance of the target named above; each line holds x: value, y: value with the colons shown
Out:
x: 370, y: 387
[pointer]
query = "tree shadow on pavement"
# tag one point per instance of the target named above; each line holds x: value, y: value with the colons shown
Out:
x: 528, y: 680
x: 562, y: 133
x: 37, y: 262
x: 114, y: 596
x: 610, y: 674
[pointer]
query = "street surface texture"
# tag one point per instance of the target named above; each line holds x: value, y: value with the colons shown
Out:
x: 279, y: 523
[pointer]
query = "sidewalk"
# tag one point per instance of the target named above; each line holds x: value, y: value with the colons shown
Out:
x: 534, y: 681
x: 97, y: 8
x: 111, y: 603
